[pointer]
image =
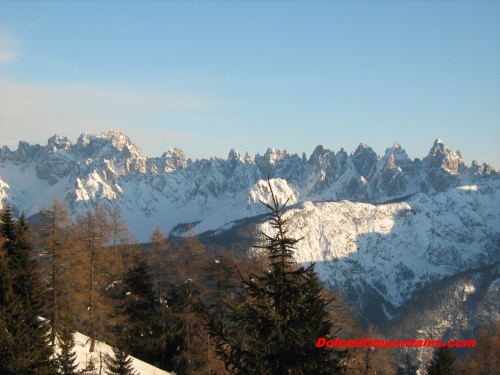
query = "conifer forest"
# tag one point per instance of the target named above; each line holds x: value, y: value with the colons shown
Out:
x: 182, y: 307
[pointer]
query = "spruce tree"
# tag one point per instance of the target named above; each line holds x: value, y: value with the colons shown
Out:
x: 25, y: 346
x: 12, y: 327
x: 140, y: 308
x: 274, y: 328
x: 441, y: 362
x: 120, y: 363
x: 409, y: 367
x: 66, y: 358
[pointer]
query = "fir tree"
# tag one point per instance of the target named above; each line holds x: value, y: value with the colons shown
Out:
x: 409, y: 367
x: 90, y: 368
x: 139, y: 307
x: 120, y: 363
x: 25, y: 347
x: 12, y: 327
x: 441, y: 362
x: 274, y: 329
x: 66, y: 358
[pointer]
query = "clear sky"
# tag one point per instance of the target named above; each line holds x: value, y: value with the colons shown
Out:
x: 208, y: 76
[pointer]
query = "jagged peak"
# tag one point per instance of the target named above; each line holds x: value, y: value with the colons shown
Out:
x: 112, y: 143
x: 363, y: 149
x: 394, y: 158
x: 233, y: 155
x: 440, y: 149
x: 174, y: 152
x: 58, y: 142
x: 319, y: 151
x: 396, y: 149
x: 174, y: 159
x: 363, y: 145
x: 22, y: 145
x: 440, y: 156
x: 364, y: 159
x: 273, y: 155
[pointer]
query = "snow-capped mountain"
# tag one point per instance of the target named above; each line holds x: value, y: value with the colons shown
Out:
x: 385, y: 253
x: 385, y: 229
x: 110, y: 169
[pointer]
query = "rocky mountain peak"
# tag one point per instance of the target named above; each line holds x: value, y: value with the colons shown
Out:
x: 270, y: 160
x: 57, y: 142
x: 273, y: 155
x: 395, y: 157
x: 317, y: 155
x: 173, y: 159
x: 25, y: 152
x: 107, y: 145
x: 364, y: 159
x: 441, y: 156
x: 107, y: 165
x: 234, y: 155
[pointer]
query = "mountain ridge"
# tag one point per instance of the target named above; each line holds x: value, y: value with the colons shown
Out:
x: 109, y: 168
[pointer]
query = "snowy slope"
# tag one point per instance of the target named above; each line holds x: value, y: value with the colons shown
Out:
x: 83, y: 356
x: 397, y: 248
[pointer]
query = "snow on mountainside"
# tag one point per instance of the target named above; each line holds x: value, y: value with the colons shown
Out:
x: 109, y: 168
x: 392, y: 250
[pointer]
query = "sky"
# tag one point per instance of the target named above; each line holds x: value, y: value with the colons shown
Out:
x: 209, y: 76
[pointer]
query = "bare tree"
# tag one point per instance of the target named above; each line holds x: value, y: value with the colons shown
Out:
x: 57, y: 255
x: 94, y: 235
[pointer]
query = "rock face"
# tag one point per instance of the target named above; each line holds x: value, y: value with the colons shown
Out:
x: 390, y: 251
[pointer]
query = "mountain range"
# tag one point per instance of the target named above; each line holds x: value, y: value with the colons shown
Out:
x: 110, y: 169
x: 403, y: 239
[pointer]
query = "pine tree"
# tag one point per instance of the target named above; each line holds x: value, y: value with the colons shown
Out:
x: 90, y: 368
x: 409, y: 367
x: 24, y: 346
x: 66, y: 358
x: 11, y: 318
x: 140, y: 308
x: 120, y: 363
x: 274, y: 328
x: 441, y: 362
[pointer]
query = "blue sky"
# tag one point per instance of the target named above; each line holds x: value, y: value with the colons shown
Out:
x: 208, y: 76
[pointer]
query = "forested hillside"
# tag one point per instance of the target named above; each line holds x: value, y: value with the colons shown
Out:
x: 173, y: 304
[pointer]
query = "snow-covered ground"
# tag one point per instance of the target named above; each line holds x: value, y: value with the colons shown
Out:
x: 82, y: 344
x: 398, y: 248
